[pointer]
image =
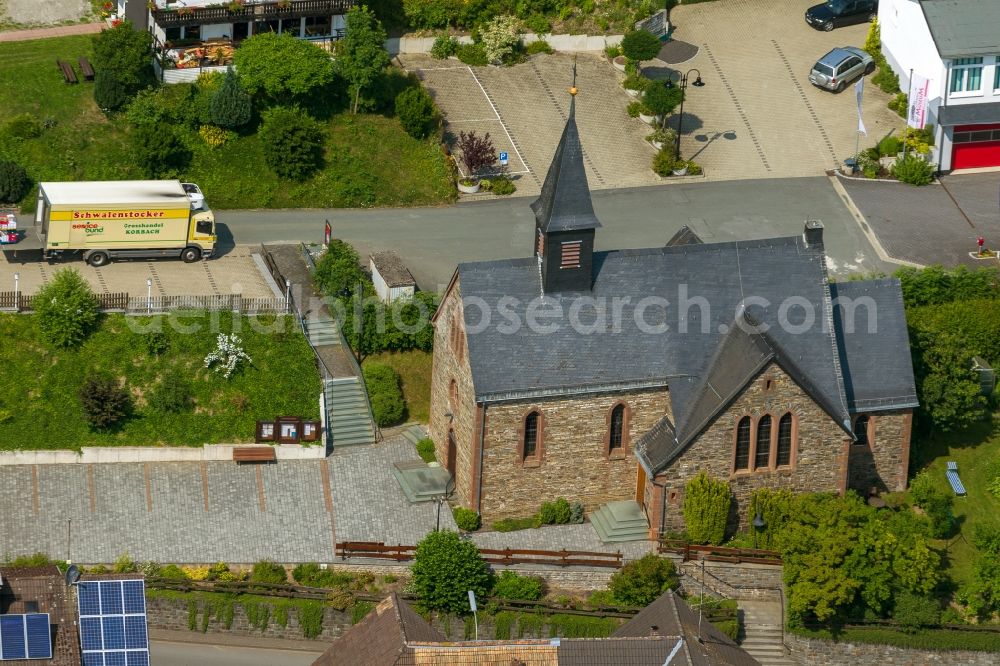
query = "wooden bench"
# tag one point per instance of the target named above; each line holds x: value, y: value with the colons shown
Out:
x: 254, y: 454
x: 67, y: 71
x: 85, y: 68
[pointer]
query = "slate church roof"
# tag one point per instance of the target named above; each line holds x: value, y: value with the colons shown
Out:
x: 676, y: 317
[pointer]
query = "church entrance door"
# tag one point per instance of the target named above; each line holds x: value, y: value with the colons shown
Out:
x: 640, y: 485
x: 452, y: 453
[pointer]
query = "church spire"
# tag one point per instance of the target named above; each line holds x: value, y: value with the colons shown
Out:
x: 564, y: 215
x: 564, y: 203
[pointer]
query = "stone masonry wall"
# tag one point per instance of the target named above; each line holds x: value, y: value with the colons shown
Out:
x: 883, y: 463
x: 817, y: 459
x: 573, y: 461
x: 818, y: 652
x: 450, y: 363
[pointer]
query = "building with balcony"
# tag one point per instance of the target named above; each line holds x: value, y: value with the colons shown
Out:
x: 190, y: 22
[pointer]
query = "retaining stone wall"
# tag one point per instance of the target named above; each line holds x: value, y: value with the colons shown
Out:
x: 818, y: 652
x: 137, y: 454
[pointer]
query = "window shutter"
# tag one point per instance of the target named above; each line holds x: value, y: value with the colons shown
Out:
x: 570, y: 255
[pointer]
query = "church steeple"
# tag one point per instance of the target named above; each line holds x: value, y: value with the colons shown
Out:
x: 564, y: 215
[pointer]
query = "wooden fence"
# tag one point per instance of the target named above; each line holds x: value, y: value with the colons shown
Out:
x: 690, y: 551
x: 507, y: 556
x: 124, y: 302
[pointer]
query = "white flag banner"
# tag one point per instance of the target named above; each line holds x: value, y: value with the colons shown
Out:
x: 916, y: 113
x: 859, y: 92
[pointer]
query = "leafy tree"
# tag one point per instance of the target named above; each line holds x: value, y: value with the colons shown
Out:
x: 477, y: 152
x: 110, y: 93
x: 66, y: 309
x: 501, y: 36
x: 14, y: 181
x: 417, y: 112
x: 231, y: 105
x: 385, y: 393
x: 641, y: 581
x: 983, y: 594
x: 934, y: 285
x: 639, y: 45
x: 775, y: 507
x: 913, y: 611
x: 706, y: 509
x: 124, y: 56
x: 158, y: 150
x: 839, y: 552
x: 282, y: 68
x: 361, y: 55
x: 445, y: 568
x: 935, y: 501
x: 339, y: 270
x: 105, y: 403
x: 947, y: 387
x: 293, y: 142
x: 660, y: 100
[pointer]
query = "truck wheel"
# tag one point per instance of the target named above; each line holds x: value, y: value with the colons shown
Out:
x: 190, y: 255
x: 98, y: 259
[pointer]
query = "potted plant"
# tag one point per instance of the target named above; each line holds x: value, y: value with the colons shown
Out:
x: 679, y: 167
x: 478, y: 153
x: 633, y: 109
x: 663, y: 136
x: 633, y: 85
x: 235, y: 5
x: 660, y: 100
x: 647, y: 115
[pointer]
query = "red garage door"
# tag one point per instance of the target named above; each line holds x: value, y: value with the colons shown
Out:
x: 976, y: 146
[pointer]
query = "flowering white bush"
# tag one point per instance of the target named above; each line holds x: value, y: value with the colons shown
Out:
x: 227, y: 355
x: 500, y: 36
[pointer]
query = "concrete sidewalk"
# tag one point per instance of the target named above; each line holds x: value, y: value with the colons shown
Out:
x: 936, y: 224
x: 46, y: 33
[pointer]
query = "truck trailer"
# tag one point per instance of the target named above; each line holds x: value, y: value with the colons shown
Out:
x: 117, y: 219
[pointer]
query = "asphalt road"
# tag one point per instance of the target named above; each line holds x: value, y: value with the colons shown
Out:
x: 164, y: 653
x: 433, y: 240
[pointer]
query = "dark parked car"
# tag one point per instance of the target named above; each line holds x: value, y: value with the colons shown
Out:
x: 836, y: 13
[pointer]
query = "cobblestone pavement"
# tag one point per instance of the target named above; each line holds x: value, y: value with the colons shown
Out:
x: 524, y: 109
x: 757, y: 115
x: 370, y: 504
x: 559, y: 537
x: 927, y: 226
x: 168, y: 512
x: 232, y: 273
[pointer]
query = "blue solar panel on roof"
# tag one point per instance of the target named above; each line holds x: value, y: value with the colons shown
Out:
x: 111, y: 597
x: 138, y: 658
x: 135, y: 632
x: 12, y: 643
x: 114, y: 659
x: 114, y: 632
x: 113, y: 623
x: 39, y: 636
x: 93, y: 659
x: 135, y: 597
x: 88, y: 595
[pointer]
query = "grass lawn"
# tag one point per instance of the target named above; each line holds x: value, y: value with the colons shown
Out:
x: 370, y: 160
x: 40, y: 405
x: 414, y: 368
x: 973, y: 450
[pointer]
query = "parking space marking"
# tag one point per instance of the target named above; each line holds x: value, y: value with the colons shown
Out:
x: 805, y: 100
x: 503, y: 125
x: 739, y: 107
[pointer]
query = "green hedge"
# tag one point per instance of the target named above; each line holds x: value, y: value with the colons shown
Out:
x: 924, y: 639
x: 385, y: 393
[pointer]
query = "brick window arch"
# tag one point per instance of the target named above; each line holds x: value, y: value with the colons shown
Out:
x: 457, y: 338
x: 762, y: 450
x: 786, y: 435
x: 862, y: 430
x: 742, y: 457
x: 616, y: 438
x: 531, y: 438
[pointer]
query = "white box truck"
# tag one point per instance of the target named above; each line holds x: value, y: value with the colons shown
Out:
x: 105, y: 220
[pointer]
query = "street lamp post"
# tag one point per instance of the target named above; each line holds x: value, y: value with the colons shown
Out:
x: 149, y: 295
x: 683, y: 83
x: 17, y: 292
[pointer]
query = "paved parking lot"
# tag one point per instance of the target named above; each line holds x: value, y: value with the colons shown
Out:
x: 758, y: 116
x: 524, y: 110
x: 235, y: 272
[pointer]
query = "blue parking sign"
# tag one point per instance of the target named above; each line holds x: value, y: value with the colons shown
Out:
x: 503, y: 159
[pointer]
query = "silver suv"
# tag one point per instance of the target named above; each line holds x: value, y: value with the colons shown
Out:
x: 841, y: 66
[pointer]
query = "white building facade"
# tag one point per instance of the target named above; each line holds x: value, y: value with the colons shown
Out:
x: 955, y: 44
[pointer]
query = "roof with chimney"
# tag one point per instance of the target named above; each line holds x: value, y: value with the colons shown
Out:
x: 394, y: 635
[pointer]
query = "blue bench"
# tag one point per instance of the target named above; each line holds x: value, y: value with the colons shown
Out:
x: 956, y: 483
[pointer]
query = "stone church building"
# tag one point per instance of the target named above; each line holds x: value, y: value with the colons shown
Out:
x: 617, y: 376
